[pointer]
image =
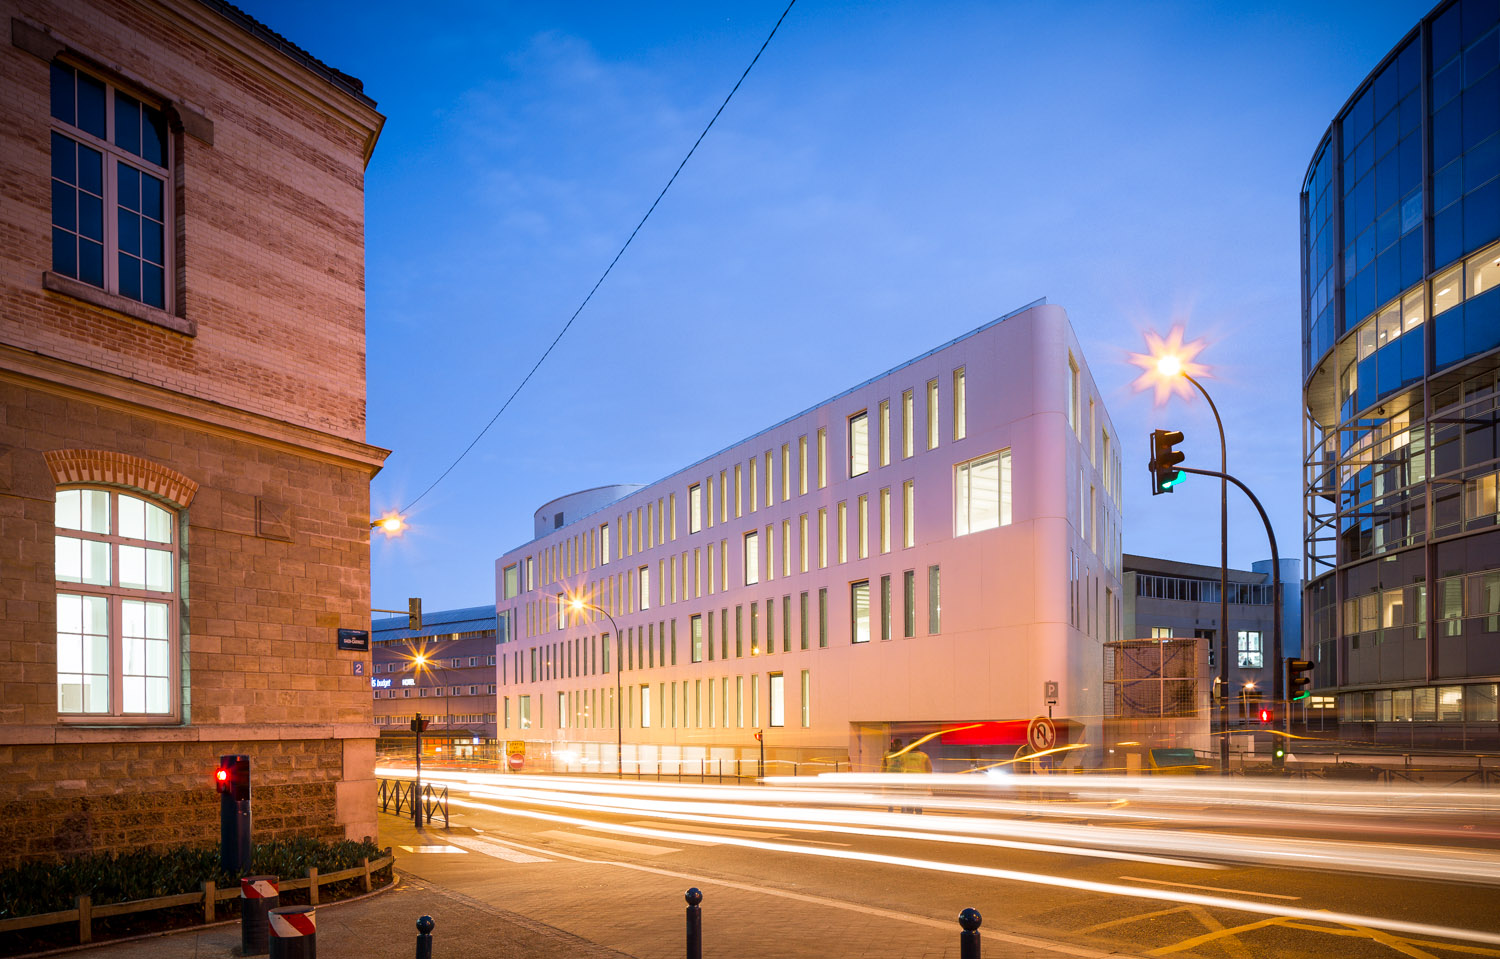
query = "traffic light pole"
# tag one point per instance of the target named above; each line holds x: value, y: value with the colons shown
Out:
x: 1276, y: 688
x: 416, y: 789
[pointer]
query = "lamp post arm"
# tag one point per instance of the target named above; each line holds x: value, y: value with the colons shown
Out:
x: 1275, y: 579
x: 619, y: 705
x: 1223, y: 580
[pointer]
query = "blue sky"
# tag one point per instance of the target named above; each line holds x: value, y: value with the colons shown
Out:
x: 890, y: 175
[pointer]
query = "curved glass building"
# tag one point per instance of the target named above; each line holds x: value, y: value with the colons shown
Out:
x: 1401, y: 360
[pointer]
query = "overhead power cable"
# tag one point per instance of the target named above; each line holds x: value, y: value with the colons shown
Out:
x: 595, y: 288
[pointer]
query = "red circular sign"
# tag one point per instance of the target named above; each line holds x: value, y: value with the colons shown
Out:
x: 516, y: 760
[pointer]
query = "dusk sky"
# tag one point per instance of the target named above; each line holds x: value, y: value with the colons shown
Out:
x: 889, y: 176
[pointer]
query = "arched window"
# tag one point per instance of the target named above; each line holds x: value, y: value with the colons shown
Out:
x: 117, y: 606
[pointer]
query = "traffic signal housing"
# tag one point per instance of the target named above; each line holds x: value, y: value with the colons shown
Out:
x: 232, y: 778
x: 1164, y: 460
x: 1278, y: 755
x: 414, y: 613
x: 1297, y: 678
x: 1265, y: 715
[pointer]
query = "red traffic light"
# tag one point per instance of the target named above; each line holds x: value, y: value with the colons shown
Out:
x: 232, y: 778
x: 757, y: 737
x: 1265, y: 715
x: 222, y: 775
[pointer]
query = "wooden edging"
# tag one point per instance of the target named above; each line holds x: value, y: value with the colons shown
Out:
x: 85, y: 911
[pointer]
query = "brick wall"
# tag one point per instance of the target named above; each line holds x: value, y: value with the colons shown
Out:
x: 242, y: 406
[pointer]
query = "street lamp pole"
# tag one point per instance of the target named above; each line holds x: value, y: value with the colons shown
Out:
x: 1223, y: 581
x: 579, y: 604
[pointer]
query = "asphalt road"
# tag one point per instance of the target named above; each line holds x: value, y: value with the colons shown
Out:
x: 1052, y: 876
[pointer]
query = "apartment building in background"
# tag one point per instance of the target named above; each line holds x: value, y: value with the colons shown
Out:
x: 933, y: 552
x: 184, y: 476
x: 446, y: 671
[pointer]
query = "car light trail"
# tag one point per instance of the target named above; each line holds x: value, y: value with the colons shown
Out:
x: 1035, y: 878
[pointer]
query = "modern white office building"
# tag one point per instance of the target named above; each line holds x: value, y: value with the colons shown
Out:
x: 934, y: 552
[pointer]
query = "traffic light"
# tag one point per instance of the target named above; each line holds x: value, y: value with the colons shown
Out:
x: 1278, y: 756
x: 1265, y: 715
x: 1164, y: 460
x: 418, y: 724
x: 232, y: 780
x: 1297, y: 679
x: 414, y: 613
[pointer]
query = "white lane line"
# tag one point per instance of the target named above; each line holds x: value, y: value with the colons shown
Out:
x: 635, y: 848
x: 1189, y: 885
x: 496, y: 850
x: 422, y: 849
x: 715, y: 830
x: 1064, y: 882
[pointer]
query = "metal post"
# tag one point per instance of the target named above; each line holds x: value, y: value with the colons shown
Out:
x: 694, y: 925
x: 968, y: 940
x: 424, y: 937
x: 416, y: 789
x: 1223, y: 584
x: 760, y: 737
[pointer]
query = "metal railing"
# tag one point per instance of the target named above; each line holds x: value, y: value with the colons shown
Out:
x: 403, y: 794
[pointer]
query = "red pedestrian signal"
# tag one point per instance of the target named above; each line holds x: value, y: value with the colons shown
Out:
x: 232, y: 778
x: 1265, y: 715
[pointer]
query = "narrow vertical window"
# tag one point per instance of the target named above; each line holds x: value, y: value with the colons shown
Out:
x: 806, y: 698
x: 822, y: 457
x: 755, y: 484
x: 1093, y: 438
x: 723, y: 496
x: 909, y: 603
x: 885, y: 433
x: 786, y: 472
x: 755, y: 699
x: 786, y: 547
x: 822, y: 618
x: 908, y: 514
x: 695, y: 508
x: 802, y: 621
x: 752, y: 558
x: 708, y: 505
x: 695, y: 633
x: 885, y: 607
x: 645, y: 705
x: 908, y: 428
x: 934, y: 603
x: 786, y: 623
x: 770, y: 481
x: 801, y: 465
x: 823, y: 538
x: 710, y: 569
x: 843, y: 523
x: 932, y: 414
x: 859, y: 611
x: 738, y: 498
x: 1072, y: 393
x: 885, y: 520
x: 770, y: 626
x: 776, y: 686
x: 739, y: 631
x: 739, y: 701
x: 770, y: 552
x: 862, y: 526
x: 643, y: 601
x: 960, y: 401
x: 723, y: 564
x: 802, y: 544
x: 754, y: 629
x: 859, y: 443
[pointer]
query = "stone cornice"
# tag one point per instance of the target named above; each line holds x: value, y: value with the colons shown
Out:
x: 61, y: 733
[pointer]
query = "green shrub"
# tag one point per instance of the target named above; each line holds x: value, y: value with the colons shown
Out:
x: 54, y: 886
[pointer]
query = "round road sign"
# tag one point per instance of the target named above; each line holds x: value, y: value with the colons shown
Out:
x: 516, y: 760
x: 1041, y: 734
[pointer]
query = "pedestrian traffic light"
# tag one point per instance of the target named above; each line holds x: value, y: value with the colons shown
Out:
x: 1278, y: 756
x: 1265, y: 715
x: 232, y: 778
x: 1297, y: 679
x: 418, y: 724
x: 1164, y: 460
x: 758, y: 737
x: 414, y: 613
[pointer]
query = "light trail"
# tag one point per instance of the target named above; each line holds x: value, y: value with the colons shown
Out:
x: 788, y: 810
x: 1065, y: 882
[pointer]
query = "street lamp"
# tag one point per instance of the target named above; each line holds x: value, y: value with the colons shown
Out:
x: 391, y: 524
x: 421, y: 661
x: 1167, y: 363
x: 579, y: 606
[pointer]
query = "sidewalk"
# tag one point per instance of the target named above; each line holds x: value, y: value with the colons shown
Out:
x: 383, y: 926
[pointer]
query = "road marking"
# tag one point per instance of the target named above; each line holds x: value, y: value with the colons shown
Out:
x: 420, y: 849
x: 1189, y: 885
x: 497, y: 850
x: 1352, y: 931
x: 636, y: 848
x: 1127, y: 920
x: 716, y: 830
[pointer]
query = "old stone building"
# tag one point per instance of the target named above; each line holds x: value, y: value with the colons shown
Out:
x: 184, y: 477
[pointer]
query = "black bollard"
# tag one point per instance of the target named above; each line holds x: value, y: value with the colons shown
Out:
x: 694, y: 924
x: 258, y: 896
x: 968, y: 940
x: 294, y: 932
x: 424, y: 937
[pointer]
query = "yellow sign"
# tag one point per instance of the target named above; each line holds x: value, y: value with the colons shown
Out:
x: 515, y: 747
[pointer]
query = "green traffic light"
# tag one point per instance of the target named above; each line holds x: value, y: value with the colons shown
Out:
x: 1177, y: 477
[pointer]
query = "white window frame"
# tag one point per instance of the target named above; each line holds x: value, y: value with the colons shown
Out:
x: 115, y: 597
x: 964, y: 513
